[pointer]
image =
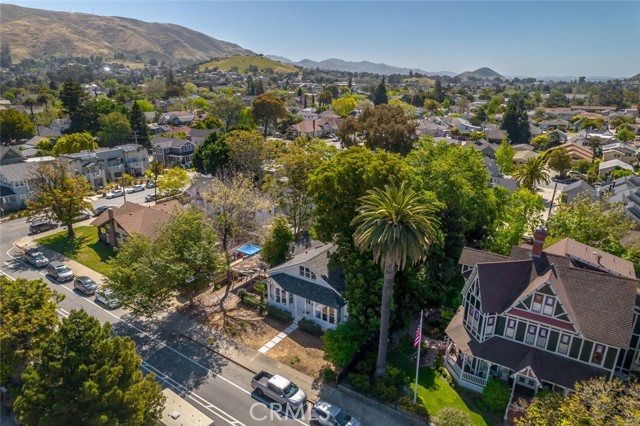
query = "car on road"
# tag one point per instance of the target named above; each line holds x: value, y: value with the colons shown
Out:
x: 82, y: 216
x: 152, y: 197
x: 135, y: 188
x: 35, y: 258
x: 85, y: 284
x: 279, y: 389
x: 326, y: 414
x: 59, y: 272
x: 150, y: 184
x: 37, y: 227
x: 115, y: 193
x: 101, y: 209
x: 106, y: 297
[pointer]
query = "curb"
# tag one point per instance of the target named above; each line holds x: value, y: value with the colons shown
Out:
x: 410, y: 418
x: 227, y: 357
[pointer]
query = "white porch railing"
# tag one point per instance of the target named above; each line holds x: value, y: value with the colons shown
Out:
x: 480, y: 381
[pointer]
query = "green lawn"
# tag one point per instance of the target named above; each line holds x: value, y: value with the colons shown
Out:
x: 84, y: 249
x: 436, y: 391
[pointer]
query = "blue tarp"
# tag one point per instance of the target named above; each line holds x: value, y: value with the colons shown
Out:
x: 249, y: 249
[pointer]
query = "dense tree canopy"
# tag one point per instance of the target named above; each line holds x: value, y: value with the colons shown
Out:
x: 559, y: 160
x: 338, y: 183
x: 228, y: 109
x: 267, y: 108
x: 504, y: 157
x: 173, y: 180
x: 516, y: 121
x: 83, y: 375
x: 212, y: 155
x: 138, y: 124
x: 115, y: 129
x: 59, y: 195
x: 247, y: 150
x: 277, y: 242
x: 74, y: 142
x: 15, y: 126
x: 387, y: 127
x: 28, y: 316
x: 344, y: 105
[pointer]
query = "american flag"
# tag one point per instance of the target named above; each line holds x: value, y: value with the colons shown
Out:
x: 418, y: 337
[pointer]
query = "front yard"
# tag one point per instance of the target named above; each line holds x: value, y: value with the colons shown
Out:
x: 300, y: 350
x: 84, y: 249
x: 435, y: 390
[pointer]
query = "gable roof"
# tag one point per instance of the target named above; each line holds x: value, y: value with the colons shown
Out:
x: 599, y: 297
x: 137, y: 219
x: 317, y: 259
x: 309, y: 290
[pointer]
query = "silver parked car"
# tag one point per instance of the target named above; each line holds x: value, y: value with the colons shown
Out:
x: 115, y: 193
x: 106, y: 297
x: 86, y: 285
x: 326, y: 414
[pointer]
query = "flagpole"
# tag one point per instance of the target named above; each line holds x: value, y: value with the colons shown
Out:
x: 415, y: 389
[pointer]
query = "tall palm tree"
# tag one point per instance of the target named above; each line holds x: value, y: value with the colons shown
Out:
x: 398, y: 226
x: 155, y: 168
x: 30, y: 103
x: 532, y: 172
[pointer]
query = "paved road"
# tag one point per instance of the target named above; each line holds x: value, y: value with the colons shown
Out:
x: 217, y: 387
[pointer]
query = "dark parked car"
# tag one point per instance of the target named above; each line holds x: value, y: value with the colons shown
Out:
x: 101, y: 209
x: 151, y: 197
x: 37, y: 227
x: 150, y: 185
x: 86, y: 285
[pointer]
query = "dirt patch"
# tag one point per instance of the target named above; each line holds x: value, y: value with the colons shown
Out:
x: 301, y: 351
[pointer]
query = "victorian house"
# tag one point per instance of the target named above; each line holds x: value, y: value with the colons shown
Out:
x: 544, y: 318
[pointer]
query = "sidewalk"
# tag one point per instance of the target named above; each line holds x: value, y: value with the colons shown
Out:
x: 247, y: 358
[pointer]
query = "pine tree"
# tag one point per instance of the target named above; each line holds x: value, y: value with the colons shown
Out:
x: 139, y: 125
x: 516, y: 120
x: 380, y: 94
x: 5, y: 56
x: 438, y: 91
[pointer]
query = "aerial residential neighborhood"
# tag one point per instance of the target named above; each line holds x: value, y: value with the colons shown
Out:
x: 199, y: 232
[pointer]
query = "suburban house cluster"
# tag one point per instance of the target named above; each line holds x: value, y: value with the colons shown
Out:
x: 544, y: 318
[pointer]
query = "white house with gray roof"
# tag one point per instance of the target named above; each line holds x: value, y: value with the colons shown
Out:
x: 308, y: 287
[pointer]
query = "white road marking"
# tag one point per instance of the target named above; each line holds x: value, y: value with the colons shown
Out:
x: 143, y: 333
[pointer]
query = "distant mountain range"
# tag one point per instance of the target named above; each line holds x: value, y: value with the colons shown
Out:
x: 36, y: 33
x: 334, y: 64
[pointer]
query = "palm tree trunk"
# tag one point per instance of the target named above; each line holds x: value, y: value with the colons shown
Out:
x: 385, y: 315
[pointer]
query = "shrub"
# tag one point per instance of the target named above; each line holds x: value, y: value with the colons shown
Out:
x: 280, y: 314
x: 449, y: 416
x: 406, y: 403
x: 295, y: 359
x: 367, y: 365
x: 310, y: 327
x: 389, y: 387
x: 242, y: 294
x: 496, y: 395
x: 328, y: 375
x: 342, y: 344
x: 360, y: 382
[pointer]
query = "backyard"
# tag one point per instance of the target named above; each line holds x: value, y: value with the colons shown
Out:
x: 84, y: 249
x: 435, y: 391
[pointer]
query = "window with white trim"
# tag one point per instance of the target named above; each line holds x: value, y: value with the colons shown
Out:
x: 470, y: 315
x: 491, y: 322
x: 325, y: 313
x: 476, y: 320
x: 541, y: 341
x: 537, y: 303
x: 531, y: 334
x: 563, y: 346
x: 549, y: 304
x: 306, y: 272
x: 279, y: 295
x: 598, y: 354
x: 511, y: 328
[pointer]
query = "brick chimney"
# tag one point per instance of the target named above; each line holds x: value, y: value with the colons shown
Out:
x: 539, y: 235
x: 112, y: 229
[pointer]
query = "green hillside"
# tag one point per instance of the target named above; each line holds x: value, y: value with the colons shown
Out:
x: 243, y: 62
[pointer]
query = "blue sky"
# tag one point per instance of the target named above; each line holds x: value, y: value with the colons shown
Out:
x: 541, y: 38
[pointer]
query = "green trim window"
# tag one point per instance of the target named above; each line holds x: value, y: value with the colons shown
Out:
x: 511, y: 328
x: 563, y: 346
